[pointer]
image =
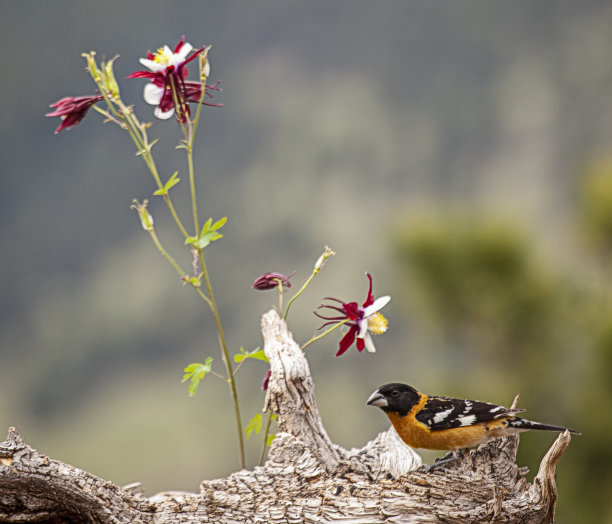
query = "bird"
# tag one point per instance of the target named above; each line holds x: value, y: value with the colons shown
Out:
x: 443, y: 423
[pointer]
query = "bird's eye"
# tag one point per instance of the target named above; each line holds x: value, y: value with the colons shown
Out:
x: 395, y: 393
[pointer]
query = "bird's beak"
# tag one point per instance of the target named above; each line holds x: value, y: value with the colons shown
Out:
x: 378, y: 400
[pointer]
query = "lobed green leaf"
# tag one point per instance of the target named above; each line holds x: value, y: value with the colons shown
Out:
x: 172, y: 181
x: 196, y: 372
x: 208, y: 234
x: 256, y: 353
x: 254, y: 425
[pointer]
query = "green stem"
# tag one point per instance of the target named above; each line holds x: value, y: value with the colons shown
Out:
x: 280, y: 296
x: 194, y: 200
x: 162, y: 250
x: 327, y: 332
x: 138, y: 134
x: 226, y: 359
x: 189, y: 135
x: 177, y: 220
x: 204, y: 297
x: 304, y: 286
x: 195, y: 121
x: 265, y: 439
x: 175, y: 265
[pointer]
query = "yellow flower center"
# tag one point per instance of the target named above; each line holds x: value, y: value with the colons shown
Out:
x: 377, y: 324
x: 162, y: 57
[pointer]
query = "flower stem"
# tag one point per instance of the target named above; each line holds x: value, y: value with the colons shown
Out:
x: 280, y: 296
x: 265, y: 439
x: 226, y: 359
x: 304, y: 286
x: 194, y: 200
x: 163, y: 251
x: 211, y: 297
x: 318, y: 266
x: 326, y: 332
x: 138, y: 134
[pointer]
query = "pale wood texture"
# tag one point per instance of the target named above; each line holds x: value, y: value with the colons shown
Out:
x: 306, y: 477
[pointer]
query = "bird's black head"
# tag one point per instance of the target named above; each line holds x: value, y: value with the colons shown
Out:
x: 395, y: 398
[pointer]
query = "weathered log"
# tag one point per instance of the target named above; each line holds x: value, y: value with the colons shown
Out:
x: 306, y: 477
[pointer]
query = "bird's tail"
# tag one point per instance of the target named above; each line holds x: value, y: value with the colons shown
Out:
x: 523, y: 423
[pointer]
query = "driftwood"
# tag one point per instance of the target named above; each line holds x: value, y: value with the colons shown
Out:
x: 306, y: 477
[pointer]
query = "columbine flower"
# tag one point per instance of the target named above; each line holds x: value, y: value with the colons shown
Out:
x: 271, y: 280
x: 266, y: 380
x: 73, y: 109
x: 168, y: 70
x: 361, y: 320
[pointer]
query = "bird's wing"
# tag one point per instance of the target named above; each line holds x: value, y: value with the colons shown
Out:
x: 444, y: 413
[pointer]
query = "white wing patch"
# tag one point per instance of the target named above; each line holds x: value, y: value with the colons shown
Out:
x: 439, y: 417
x: 468, y: 406
x: 467, y: 420
x: 496, y: 409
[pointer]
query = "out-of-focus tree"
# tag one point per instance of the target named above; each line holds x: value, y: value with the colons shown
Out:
x: 478, y: 284
x: 596, y: 210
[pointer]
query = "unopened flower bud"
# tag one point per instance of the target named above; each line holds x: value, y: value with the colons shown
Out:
x: 109, y: 82
x: 146, y: 220
x: 271, y: 280
x: 92, y: 67
x: 204, y: 65
x: 322, y: 259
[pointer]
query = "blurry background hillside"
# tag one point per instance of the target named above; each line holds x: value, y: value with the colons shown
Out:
x: 459, y: 151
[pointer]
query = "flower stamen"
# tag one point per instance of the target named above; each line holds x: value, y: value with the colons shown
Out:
x: 377, y: 324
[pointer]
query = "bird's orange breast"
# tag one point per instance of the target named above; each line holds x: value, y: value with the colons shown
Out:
x: 418, y: 435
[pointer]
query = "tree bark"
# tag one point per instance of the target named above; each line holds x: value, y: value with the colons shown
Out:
x: 306, y: 477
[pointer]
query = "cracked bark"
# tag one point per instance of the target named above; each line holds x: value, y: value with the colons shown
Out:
x: 306, y: 477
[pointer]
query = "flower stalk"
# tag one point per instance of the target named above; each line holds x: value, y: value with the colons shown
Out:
x: 317, y: 267
x: 262, y: 454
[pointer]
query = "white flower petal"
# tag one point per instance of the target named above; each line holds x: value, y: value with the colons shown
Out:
x: 178, y: 58
x: 152, y: 65
x: 363, y: 328
x: 369, y: 344
x: 378, y: 304
x: 185, y: 50
x: 153, y: 94
x: 163, y: 115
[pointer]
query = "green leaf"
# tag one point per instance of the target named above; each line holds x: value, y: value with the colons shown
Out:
x: 254, y: 425
x: 219, y: 223
x: 257, y: 354
x: 270, y: 438
x: 206, y: 225
x: 209, y: 233
x: 172, y: 181
x: 196, y: 372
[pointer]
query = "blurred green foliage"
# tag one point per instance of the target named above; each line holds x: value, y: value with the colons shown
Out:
x: 481, y: 287
x: 596, y: 207
x: 477, y: 283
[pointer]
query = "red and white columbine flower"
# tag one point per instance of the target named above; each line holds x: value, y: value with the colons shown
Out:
x: 168, y: 70
x: 72, y: 109
x: 362, y: 321
x: 271, y: 280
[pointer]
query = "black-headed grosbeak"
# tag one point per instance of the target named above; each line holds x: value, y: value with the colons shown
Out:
x: 448, y: 423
